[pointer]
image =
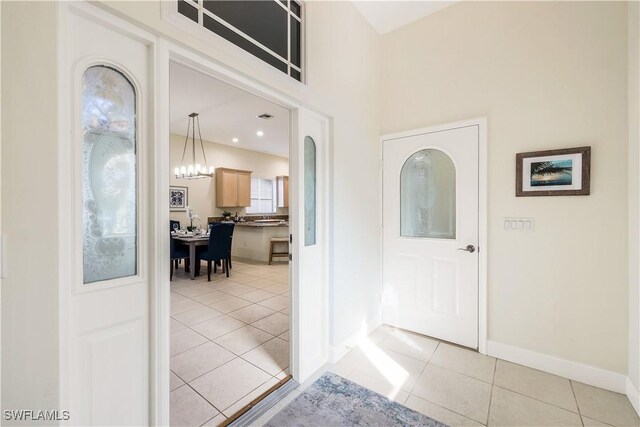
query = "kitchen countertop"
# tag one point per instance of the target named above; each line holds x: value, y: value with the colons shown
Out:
x: 262, y: 224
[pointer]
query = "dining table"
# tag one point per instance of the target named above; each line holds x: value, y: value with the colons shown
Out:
x: 192, y: 242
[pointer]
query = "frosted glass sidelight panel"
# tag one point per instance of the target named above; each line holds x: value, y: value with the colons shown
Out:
x: 309, y: 191
x: 428, y: 196
x: 109, y: 189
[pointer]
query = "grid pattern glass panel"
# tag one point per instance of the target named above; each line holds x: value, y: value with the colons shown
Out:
x: 428, y: 196
x: 109, y: 188
x: 262, y: 200
x: 271, y: 30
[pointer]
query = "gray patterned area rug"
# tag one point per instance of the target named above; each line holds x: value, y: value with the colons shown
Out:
x: 336, y: 401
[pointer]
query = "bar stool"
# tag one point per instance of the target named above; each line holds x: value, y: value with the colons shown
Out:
x: 274, y: 242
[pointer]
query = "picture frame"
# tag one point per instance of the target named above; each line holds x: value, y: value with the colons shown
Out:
x: 563, y: 172
x: 178, y: 198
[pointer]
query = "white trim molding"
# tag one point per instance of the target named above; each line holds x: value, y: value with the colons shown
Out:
x: 597, y: 377
x: 633, y: 395
x: 338, y: 351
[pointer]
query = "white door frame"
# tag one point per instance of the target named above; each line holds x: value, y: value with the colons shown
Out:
x: 483, y: 248
x: 165, y: 51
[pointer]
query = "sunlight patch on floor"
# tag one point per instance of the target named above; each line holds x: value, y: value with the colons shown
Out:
x: 395, y: 374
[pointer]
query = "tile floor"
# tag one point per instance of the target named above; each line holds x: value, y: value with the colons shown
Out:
x: 460, y: 387
x: 229, y: 340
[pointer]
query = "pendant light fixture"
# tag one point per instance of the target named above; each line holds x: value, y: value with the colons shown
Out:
x: 193, y: 170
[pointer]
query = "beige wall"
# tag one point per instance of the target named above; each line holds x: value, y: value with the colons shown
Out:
x: 202, y: 192
x: 634, y: 195
x: 546, y: 75
x: 29, y: 208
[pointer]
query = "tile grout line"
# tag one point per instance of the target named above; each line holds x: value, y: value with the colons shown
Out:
x: 493, y: 381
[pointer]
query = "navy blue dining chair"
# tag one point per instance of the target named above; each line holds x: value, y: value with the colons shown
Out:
x: 219, y: 248
x: 178, y: 252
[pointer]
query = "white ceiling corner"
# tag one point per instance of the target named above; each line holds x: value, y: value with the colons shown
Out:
x: 389, y: 15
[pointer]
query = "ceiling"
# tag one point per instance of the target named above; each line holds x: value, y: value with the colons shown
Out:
x: 226, y: 112
x: 387, y: 16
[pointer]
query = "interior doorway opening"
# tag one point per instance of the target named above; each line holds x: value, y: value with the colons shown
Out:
x: 230, y: 294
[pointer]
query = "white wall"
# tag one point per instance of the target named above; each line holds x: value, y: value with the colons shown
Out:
x: 547, y: 75
x: 202, y: 192
x: 29, y: 207
x: 634, y: 197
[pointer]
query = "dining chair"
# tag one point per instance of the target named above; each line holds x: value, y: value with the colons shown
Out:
x: 219, y: 248
x: 171, y: 223
x: 178, y: 252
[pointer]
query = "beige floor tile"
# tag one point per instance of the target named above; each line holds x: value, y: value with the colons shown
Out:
x: 409, y: 344
x: 187, y: 408
x: 380, y: 334
x: 212, y: 297
x: 238, y: 290
x: 465, y: 395
x: 174, y: 381
x: 275, y: 324
x: 229, y: 305
x: 230, y: 382
x: 398, y: 370
x: 277, y: 289
x: 271, y: 357
x: 284, y: 336
x: 184, y: 340
x: 251, y: 313
x: 513, y: 409
x: 244, y: 401
x: 262, y: 283
x: 241, y: 277
x: 194, y: 290
x: 588, y: 422
x: 244, y: 339
x: 286, y: 311
x: 182, y: 306
x: 276, y: 303
x: 464, y: 361
x: 255, y: 271
x: 257, y: 295
x: 536, y: 384
x: 217, y: 326
x: 438, y: 413
x: 605, y: 406
x: 215, y: 421
x: 198, y: 315
x: 175, y: 297
x: 175, y: 325
x: 199, y: 360
x: 283, y: 374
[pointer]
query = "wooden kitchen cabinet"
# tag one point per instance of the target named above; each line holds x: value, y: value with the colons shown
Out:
x: 282, y: 186
x: 233, y: 188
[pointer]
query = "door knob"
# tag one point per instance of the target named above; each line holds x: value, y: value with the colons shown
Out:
x: 469, y: 248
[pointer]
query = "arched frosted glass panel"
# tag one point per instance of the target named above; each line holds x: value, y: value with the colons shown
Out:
x: 109, y: 189
x: 309, y: 191
x: 428, y: 196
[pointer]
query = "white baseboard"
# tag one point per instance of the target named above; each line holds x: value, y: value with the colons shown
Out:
x: 634, y: 395
x: 597, y: 377
x: 338, y: 351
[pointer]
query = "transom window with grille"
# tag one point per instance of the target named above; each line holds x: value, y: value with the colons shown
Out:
x: 262, y: 196
x: 270, y: 30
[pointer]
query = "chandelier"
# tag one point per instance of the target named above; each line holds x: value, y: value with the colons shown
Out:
x: 193, y: 170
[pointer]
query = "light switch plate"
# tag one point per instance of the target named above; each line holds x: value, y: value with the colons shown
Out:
x: 518, y: 224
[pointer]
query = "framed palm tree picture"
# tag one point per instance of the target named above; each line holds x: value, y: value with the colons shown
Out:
x: 564, y: 172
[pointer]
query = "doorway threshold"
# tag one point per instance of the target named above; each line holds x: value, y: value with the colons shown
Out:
x: 260, y: 405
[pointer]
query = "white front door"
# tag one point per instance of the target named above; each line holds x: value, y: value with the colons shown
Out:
x: 308, y: 186
x: 106, y: 220
x: 430, y: 237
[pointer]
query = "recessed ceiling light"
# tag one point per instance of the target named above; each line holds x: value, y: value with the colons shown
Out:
x: 259, y: 133
x: 235, y: 139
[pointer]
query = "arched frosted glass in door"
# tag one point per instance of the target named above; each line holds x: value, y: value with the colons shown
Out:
x: 109, y: 188
x: 428, y: 196
x: 309, y: 191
